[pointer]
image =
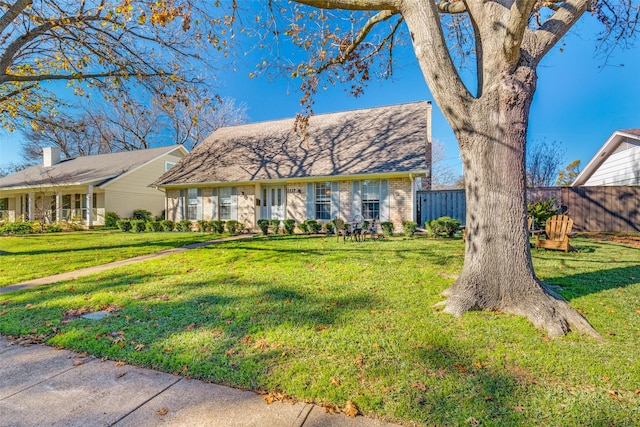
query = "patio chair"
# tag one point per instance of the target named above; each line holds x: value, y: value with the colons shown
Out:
x: 341, y: 228
x: 557, y: 232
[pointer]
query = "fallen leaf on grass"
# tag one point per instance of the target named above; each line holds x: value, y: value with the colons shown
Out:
x: 419, y: 386
x: 614, y: 395
x: 460, y: 368
x: 78, y: 362
x: 162, y: 411
x: 519, y: 408
x: 335, y: 381
x: 190, y: 327
x: 139, y: 347
x: 320, y: 328
x: 119, y: 364
x: 638, y: 391
x: 350, y: 409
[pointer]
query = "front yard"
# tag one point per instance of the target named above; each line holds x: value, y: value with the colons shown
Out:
x: 331, y: 322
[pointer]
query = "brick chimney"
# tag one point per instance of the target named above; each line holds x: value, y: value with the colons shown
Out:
x: 50, y: 156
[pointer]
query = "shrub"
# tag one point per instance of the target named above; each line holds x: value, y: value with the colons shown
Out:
x: 217, y: 226
x: 167, y: 225
x: 387, y: 228
x: 203, y: 226
x: 111, y: 219
x: 289, y: 226
x: 184, y: 225
x: 154, y: 226
x: 18, y: 228
x: 138, y: 225
x: 303, y: 226
x: 275, y: 225
x: 409, y: 228
x: 443, y: 226
x: 234, y: 226
x: 541, y: 211
x: 313, y: 226
x: 124, y: 225
x: 142, y: 215
x: 160, y: 217
x: 54, y: 228
x: 263, y: 224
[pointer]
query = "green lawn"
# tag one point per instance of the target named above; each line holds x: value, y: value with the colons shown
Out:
x: 331, y: 322
x: 28, y: 257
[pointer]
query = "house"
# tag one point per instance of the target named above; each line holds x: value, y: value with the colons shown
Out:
x: 364, y: 162
x: 63, y: 189
x: 616, y: 163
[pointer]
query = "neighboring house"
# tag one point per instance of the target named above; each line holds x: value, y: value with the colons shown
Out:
x: 616, y: 163
x: 362, y: 162
x: 63, y: 189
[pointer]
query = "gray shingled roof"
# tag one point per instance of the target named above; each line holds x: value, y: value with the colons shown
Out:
x: 371, y: 141
x: 97, y: 169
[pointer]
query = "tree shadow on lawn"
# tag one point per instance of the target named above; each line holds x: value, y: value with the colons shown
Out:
x: 583, y: 284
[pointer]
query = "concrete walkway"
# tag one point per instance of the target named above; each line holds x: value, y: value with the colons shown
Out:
x: 41, y: 386
x: 98, y: 268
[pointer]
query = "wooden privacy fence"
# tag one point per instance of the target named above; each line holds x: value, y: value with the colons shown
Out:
x: 601, y: 208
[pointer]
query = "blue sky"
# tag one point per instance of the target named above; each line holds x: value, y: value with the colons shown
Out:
x: 580, y: 100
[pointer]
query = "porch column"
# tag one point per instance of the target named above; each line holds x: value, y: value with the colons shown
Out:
x: 58, y: 206
x: 90, y: 206
x: 30, y: 206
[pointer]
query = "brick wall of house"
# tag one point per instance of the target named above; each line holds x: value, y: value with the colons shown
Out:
x: 400, y: 201
x: 346, y: 200
x: 247, y: 209
x: 173, y: 205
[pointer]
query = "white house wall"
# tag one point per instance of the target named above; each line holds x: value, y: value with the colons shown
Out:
x: 621, y: 168
x: 132, y: 191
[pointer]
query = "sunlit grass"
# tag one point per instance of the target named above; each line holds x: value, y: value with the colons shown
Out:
x: 28, y: 257
x: 330, y: 322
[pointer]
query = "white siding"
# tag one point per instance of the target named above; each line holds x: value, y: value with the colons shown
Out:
x: 621, y: 168
x: 132, y: 191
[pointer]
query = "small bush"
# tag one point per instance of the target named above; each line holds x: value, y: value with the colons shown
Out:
x: 263, y: 224
x: 54, y: 228
x: 138, y: 225
x: 289, y: 226
x: 184, y: 225
x: 142, y: 215
x: 313, y: 226
x: 275, y: 225
x: 124, y: 225
x: 304, y: 227
x: 167, y: 225
x: 111, y: 219
x: 18, y: 228
x: 409, y: 228
x: 387, y: 228
x: 541, y: 211
x: 443, y: 226
x: 234, y: 226
x: 154, y: 226
x: 203, y: 226
x: 217, y: 226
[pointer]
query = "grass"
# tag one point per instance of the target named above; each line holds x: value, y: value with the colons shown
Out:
x: 330, y: 322
x: 28, y: 257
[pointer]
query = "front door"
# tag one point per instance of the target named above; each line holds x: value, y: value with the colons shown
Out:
x: 274, y: 202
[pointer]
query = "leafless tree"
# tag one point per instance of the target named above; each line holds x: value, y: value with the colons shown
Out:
x: 543, y: 163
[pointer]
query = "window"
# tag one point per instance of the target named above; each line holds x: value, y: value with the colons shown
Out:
x: 371, y: 199
x: 194, y: 204
x: 4, y: 204
x: 226, y: 203
x: 323, y: 200
x: 168, y: 165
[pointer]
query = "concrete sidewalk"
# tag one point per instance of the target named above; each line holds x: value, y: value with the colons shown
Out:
x: 98, y: 268
x: 41, y: 386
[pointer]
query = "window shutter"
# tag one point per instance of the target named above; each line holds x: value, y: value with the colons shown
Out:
x: 234, y: 203
x: 335, y: 199
x: 357, y: 199
x: 384, y: 200
x: 310, y: 201
x: 199, y: 208
x: 214, y: 204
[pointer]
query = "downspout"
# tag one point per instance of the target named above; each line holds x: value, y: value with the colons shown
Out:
x: 414, y: 207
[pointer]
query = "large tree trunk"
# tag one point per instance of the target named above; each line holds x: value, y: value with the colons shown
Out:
x: 498, y: 273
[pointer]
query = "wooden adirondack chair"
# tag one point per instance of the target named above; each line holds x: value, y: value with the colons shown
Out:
x: 557, y: 232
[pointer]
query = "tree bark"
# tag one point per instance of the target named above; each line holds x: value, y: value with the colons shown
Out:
x: 498, y: 273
